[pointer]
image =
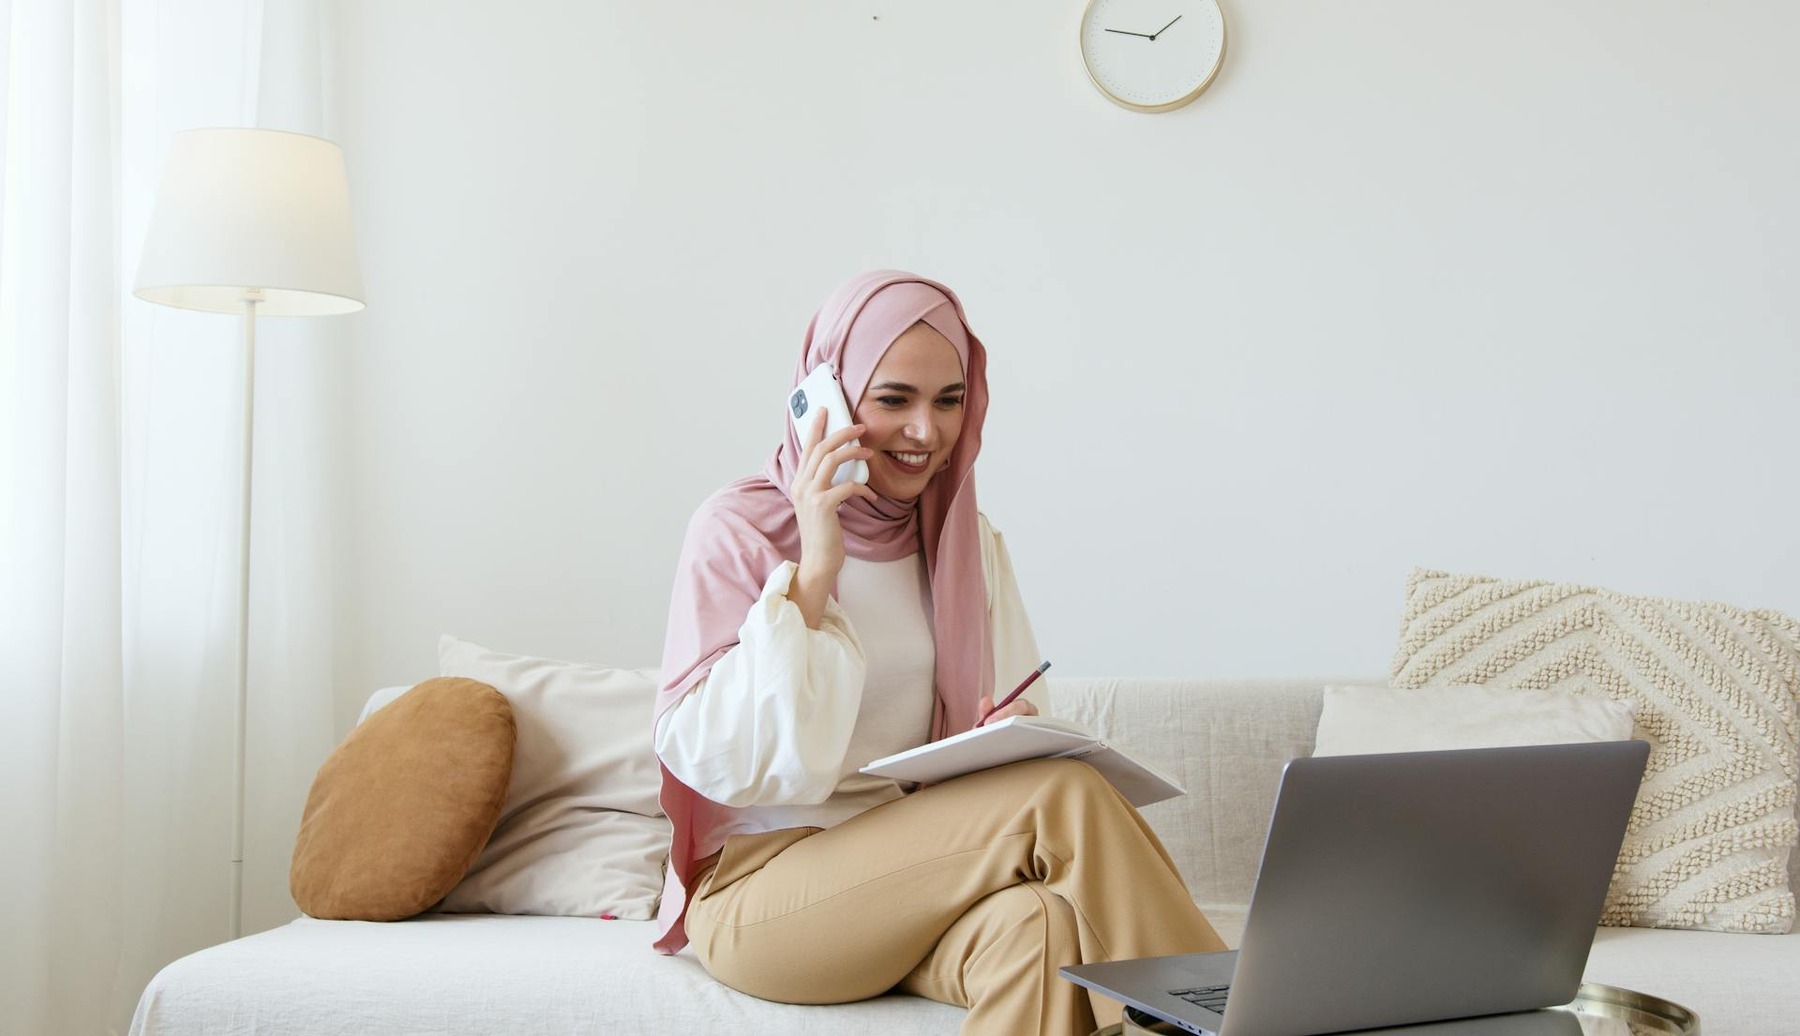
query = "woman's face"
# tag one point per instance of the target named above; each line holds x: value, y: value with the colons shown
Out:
x: 913, y: 408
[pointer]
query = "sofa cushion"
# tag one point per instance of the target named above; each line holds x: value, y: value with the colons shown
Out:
x: 1715, y: 689
x: 1356, y: 720
x: 1735, y: 983
x: 581, y: 833
x: 399, y: 811
x: 1225, y: 741
x: 476, y: 975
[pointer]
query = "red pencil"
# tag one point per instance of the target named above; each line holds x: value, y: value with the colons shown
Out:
x: 1016, y: 691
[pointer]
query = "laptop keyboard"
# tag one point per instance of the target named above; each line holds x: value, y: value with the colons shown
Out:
x: 1210, y: 997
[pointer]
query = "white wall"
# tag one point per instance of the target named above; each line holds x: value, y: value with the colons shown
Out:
x: 1507, y: 288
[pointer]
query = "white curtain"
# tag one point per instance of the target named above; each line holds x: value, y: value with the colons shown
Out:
x: 119, y: 453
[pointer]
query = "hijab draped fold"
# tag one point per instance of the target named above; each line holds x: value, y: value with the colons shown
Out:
x: 742, y: 533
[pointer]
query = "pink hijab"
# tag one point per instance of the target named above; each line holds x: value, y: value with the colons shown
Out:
x: 741, y: 534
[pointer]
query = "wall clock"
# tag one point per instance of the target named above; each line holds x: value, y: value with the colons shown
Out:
x: 1152, y: 55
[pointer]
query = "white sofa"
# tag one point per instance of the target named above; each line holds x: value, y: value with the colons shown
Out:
x: 1225, y: 739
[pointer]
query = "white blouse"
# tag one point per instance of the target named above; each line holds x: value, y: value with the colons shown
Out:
x: 785, y: 719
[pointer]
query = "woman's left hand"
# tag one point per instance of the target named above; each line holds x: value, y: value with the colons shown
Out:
x: 1018, y: 707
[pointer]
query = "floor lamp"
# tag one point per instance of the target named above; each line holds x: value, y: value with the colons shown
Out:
x: 250, y: 220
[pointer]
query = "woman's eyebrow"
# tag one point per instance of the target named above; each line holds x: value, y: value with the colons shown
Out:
x: 901, y: 386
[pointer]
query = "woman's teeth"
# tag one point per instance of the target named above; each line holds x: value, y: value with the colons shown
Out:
x: 912, y: 459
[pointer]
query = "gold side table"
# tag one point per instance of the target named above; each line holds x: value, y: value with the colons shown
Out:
x: 1638, y: 1014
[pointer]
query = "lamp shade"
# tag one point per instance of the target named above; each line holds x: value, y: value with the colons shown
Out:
x: 252, y: 214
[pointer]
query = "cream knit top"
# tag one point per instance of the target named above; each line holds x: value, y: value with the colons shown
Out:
x: 786, y: 718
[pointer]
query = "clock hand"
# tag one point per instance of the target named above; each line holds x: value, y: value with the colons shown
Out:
x: 1140, y: 35
x: 1165, y: 28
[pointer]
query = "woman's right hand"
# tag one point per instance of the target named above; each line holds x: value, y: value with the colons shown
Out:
x: 816, y: 502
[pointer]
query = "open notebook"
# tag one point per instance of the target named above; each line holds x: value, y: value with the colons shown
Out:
x: 1028, y: 737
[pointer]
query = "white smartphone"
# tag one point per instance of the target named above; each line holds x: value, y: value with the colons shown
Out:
x: 822, y: 389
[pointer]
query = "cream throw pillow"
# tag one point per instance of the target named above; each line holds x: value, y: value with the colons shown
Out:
x: 1386, y: 719
x: 581, y: 833
x: 1715, y: 689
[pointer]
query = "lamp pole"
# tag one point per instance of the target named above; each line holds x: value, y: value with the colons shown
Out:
x: 240, y: 718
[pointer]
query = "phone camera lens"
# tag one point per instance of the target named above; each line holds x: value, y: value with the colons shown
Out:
x: 798, y: 402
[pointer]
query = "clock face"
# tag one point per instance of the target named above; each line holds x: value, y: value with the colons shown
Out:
x: 1152, y: 55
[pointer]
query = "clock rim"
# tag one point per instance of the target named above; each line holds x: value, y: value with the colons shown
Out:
x: 1168, y: 106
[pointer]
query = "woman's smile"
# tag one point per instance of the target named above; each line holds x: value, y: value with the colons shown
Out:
x: 909, y: 463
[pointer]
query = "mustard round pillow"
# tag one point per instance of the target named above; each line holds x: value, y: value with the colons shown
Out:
x: 402, y: 808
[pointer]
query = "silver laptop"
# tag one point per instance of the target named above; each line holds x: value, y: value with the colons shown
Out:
x: 1408, y: 887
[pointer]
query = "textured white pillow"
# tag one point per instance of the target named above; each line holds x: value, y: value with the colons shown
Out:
x: 1356, y: 720
x: 581, y: 833
x: 1716, y: 689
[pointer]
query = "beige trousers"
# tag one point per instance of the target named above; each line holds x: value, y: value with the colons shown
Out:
x: 972, y: 892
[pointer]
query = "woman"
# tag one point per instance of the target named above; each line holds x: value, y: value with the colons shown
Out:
x: 814, y: 628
